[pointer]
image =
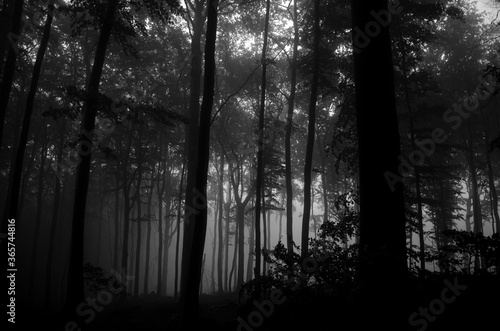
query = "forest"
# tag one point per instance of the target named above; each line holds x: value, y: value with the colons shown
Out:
x: 250, y: 164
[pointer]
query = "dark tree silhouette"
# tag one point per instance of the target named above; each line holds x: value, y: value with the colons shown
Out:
x: 75, y: 274
x: 191, y: 295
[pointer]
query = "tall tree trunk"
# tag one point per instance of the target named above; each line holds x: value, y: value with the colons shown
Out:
x: 192, y: 140
x: 240, y: 219
x: 117, y: 221
x: 191, y: 295
x: 139, y: 217
x: 260, y: 151
x: 75, y: 275
x: 177, y: 241
x: 166, y: 235
x: 310, y: 134
x: 221, y: 220
x: 251, y: 244
x: 264, y: 232
x: 288, y: 134
x: 160, y: 190
x: 10, y: 65
x: 148, y: 241
x: 214, y: 245
x: 226, y: 253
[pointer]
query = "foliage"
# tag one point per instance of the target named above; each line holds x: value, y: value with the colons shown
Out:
x: 331, y: 263
x: 97, y: 280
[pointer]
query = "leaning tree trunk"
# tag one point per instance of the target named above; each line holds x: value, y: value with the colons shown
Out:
x: 310, y: 134
x: 75, y: 274
x: 191, y: 294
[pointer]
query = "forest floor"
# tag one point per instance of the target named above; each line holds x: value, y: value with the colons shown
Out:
x: 448, y: 303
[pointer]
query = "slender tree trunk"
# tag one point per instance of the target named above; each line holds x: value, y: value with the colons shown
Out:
x: 75, y: 275
x: 251, y: 244
x: 117, y: 221
x: 139, y: 217
x: 288, y: 134
x: 214, y: 246
x: 264, y: 232
x: 235, y: 255
x: 148, y: 240
x: 221, y: 219
x: 310, y: 134
x: 260, y: 151
x: 226, y: 253
x: 167, y: 237
x: 177, y: 241
x: 160, y: 189
x: 191, y: 295
x: 240, y: 219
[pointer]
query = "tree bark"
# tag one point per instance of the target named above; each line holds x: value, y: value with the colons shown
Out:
x: 191, y: 294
